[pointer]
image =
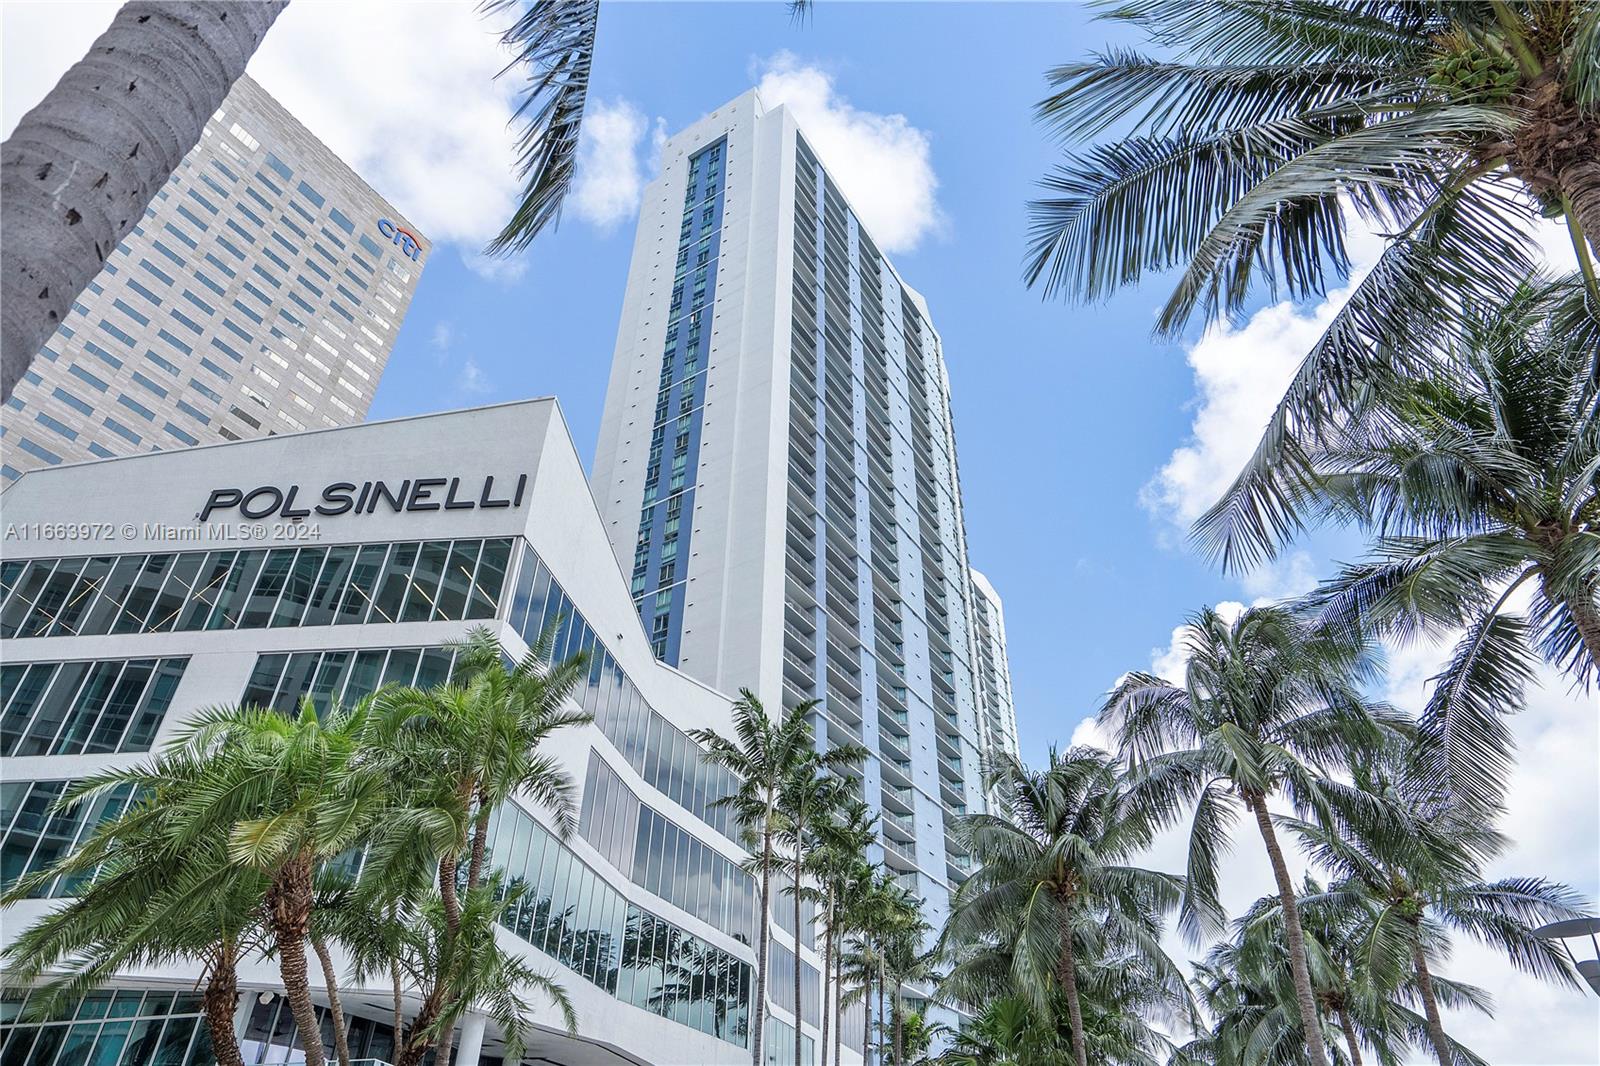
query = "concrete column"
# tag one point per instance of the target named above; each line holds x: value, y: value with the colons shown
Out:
x: 470, y: 1045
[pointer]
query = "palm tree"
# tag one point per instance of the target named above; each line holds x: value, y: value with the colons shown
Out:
x: 1414, y: 863
x: 905, y: 962
x: 464, y: 748
x: 1477, y: 480
x: 458, y: 967
x: 764, y: 757
x: 812, y: 794
x: 1007, y: 1032
x: 1268, y: 708
x: 1277, y: 127
x: 80, y: 168
x: 142, y: 901
x: 287, y: 793
x: 1053, y: 866
x: 836, y: 861
x: 1366, y: 992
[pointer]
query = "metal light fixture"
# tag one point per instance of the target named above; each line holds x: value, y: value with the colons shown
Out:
x: 1576, y: 929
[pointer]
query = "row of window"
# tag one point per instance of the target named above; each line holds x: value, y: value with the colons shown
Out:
x: 281, y: 680
x: 128, y: 1028
x: 69, y: 708
x: 663, y: 858
x: 253, y: 589
x: 659, y: 605
x: 571, y: 913
x: 34, y: 836
x: 663, y: 755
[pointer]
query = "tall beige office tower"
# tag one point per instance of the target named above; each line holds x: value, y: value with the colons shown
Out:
x: 260, y: 294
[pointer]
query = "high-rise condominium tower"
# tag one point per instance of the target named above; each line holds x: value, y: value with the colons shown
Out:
x: 997, y: 717
x: 260, y: 294
x: 777, y: 472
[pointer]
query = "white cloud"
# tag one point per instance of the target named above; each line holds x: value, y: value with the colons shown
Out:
x: 443, y: 335
x: 407, y: 95
x: 1553, y: 819
x: 882, y: 163
x: 609, y: 179
x: 1242, y: 372
x: 471, y: 380
x: 1290, y: 575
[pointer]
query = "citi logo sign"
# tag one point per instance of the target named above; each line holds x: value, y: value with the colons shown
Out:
x: 410, y: 247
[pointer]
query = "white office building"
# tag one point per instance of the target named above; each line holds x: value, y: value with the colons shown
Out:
x: 138, y: 589
x: 777, y: 472
x: 261, y: 293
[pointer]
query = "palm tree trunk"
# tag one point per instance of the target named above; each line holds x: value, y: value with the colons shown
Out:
x: 760, y: 995
x: 221, y: 1001
x: 447, y: 1046
x: 289, y: 913
x: 1350, y: 1037
x: 399, y: 1002
x: 1294, y: 934
x: 1430, y: 1005
x: 866, y: 1019
x: 838, y: 1009
x: 1579, y: 181
x: 80, y: 168
x: 480, y: 845
x: 899, y: 1027
x: 341, y: 1042
x: 827, y: 968
x: 799, y: 857
x: 1069, y: 982
x: 883, y: 1018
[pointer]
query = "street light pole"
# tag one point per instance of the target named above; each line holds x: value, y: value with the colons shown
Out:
x: 1576, y: 929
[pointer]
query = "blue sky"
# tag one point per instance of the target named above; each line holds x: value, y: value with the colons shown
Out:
x: 1062, y: 413
x: 1085, y: 446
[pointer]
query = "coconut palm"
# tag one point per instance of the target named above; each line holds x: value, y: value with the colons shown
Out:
x: 1272, y: 130
x: 141, y: 900
x: 1414, y: 863
x: 764, y: 755
x: 812, y: 794
x: 1006, y: 1032
x: 1367, y: 994
x: 1478, y: 481
x: 1269, y: 707
x: 80, y: 168
x: 1053, y: 866
x: 463, y: 749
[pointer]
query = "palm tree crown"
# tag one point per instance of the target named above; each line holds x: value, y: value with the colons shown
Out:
x: 1054, y: 872
x: 1283, y: 125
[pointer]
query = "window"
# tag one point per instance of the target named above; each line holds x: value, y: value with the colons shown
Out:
x: 279, y: 167
x: 38, y: 451
x: 122, y: 431
x: 88, y: 378
x: 73, y: 402
x: 244, y: 137
x: 137, y: 408
x: 68, y: 708
x: 55, y: 425
x: 311, y: 194
x: 37, y: 836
